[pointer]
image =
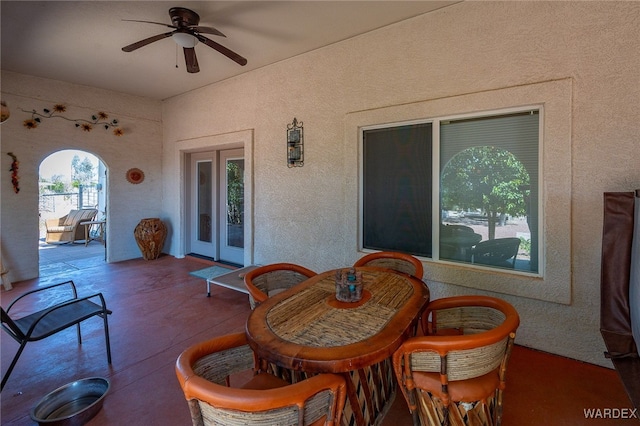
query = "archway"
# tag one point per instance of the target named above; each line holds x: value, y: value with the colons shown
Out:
x: 71, y: 180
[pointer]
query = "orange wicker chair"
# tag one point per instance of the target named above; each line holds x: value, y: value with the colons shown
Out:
x: 455, y: 374
x: 393, y: 260
x: 206, y: 369
x: 268, y: 280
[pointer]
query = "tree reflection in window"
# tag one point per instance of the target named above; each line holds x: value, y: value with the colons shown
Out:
x: 488, y: 182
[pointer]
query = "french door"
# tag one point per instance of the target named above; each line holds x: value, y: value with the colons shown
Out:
x: 202, y: 205
x: 231, y: 206
x: 217, y: 205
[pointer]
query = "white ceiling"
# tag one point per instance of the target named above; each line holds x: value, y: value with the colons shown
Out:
x: 81, y: 42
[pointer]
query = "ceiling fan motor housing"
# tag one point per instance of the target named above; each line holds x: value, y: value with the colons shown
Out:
x: 182, y: 17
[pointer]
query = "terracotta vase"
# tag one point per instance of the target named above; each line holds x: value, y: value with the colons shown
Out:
x: 150, y: 234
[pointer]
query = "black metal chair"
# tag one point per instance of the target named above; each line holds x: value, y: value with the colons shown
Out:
x: 54, y: 318
x: 497, y: 252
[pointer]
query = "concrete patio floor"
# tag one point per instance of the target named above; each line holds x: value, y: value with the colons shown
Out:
x: 159, y: 310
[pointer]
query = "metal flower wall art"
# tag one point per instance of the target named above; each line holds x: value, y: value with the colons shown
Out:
x: 99, y: 119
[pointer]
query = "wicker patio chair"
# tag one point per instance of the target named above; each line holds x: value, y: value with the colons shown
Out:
x: 455, y: 374
x: 48, y: 319
x: 268, y: 280
x: 401, y: 262
x: 206, y: 370
x: 67, y: 228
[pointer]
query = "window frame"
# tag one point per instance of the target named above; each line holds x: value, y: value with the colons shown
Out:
x: 436, y: 212
x: 556, y: 196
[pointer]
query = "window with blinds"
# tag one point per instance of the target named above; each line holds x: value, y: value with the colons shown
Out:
x: 476, y: 203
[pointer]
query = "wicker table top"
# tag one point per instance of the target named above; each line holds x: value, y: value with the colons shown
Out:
x: 306, y: 328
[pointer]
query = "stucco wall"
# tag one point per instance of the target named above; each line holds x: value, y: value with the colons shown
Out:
x: 306, y: 215
x: 140, y: 146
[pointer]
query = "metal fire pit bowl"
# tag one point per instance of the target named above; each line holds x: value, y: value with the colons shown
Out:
x: 73, y: 404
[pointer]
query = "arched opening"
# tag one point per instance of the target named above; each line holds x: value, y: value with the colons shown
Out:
x: 72, y: 210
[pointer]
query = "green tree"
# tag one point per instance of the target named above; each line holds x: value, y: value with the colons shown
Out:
x: 83, y: 172
x: 486, y: 178
x: 54, y: 185
x: 235, y: 192
x: 57, y: 185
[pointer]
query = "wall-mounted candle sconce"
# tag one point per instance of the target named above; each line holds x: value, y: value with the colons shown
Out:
x: 295, y: 144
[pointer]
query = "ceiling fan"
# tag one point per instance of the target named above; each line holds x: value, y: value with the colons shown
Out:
x: 187, y: 33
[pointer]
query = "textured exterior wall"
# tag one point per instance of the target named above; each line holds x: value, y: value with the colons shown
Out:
x: 140, y: 146
x: 307, y: 215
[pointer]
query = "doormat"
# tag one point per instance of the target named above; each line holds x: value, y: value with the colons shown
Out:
x: 210, y: 272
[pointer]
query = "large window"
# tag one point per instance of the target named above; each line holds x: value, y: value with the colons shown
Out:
x: 455, y: 189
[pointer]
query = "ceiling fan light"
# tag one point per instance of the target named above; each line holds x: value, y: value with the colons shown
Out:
x: 184, y: 39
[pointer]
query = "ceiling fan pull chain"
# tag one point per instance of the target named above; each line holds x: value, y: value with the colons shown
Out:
x: 176, y: 56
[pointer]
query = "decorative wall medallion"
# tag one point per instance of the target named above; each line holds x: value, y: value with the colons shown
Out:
x: 135, y: 176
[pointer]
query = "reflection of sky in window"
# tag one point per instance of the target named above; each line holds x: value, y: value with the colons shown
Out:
x: 59, y: 163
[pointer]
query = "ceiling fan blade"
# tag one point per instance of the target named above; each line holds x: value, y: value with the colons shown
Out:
x: 207, y: 30
x: 150, y: 22
x: 226, y: 52
x: 141, y: 43
x: 191, y: 60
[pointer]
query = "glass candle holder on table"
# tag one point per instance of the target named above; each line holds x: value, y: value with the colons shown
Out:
x: 348, y: 285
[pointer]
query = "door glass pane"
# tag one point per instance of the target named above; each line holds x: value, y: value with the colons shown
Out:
x: 235, y: 203
x: 205, y: 192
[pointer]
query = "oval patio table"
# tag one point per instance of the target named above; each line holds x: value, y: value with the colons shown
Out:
x: 306, y: 329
